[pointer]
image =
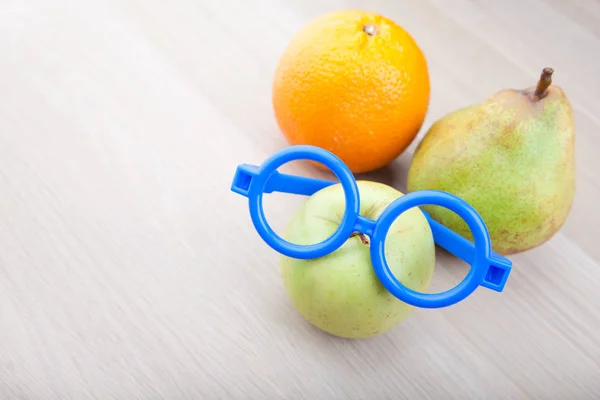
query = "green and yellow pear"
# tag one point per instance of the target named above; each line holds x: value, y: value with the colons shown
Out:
x: 510, y: 157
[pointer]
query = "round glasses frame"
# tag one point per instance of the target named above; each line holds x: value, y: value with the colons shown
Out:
x: 253, y: 182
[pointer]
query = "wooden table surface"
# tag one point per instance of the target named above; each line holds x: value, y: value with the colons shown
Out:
x: 128, y: 270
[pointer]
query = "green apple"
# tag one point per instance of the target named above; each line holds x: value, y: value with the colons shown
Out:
x: 340, y: 293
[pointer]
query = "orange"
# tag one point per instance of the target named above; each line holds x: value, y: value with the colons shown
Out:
x: 354, y: 83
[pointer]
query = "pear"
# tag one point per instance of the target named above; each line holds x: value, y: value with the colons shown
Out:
x: 511, y: 157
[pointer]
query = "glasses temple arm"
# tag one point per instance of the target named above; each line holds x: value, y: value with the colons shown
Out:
x: 499, y: 266
x: 278, y: 182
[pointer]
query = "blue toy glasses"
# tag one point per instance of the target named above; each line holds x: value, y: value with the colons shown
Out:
x: 488, y: 269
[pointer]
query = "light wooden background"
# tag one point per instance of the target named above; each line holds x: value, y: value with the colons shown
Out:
x: 128, y: 270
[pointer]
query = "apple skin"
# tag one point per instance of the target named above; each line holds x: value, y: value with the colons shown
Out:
x: 340, y: 293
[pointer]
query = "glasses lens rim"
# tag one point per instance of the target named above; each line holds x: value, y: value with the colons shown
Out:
x: 345, y: 177
x: 479, y: 264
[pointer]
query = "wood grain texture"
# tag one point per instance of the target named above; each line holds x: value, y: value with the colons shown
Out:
x: 128, y: 270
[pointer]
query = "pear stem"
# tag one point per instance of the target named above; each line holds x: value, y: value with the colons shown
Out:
x: 543, y: 84
x: 363, y: 238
